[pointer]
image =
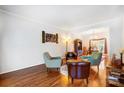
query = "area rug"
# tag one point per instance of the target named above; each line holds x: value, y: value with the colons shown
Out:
x: 64, y: 70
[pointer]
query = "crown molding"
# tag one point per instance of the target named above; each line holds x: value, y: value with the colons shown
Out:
x: 43, y: 24
x: 94, y: 24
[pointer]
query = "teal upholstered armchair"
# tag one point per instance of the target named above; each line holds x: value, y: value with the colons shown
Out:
x: 51, y: 62
x: 94, y: 58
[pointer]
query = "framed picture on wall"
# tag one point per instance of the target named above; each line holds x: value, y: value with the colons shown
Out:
x: 48, y: 37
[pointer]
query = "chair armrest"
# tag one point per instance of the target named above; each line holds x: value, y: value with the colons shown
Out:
x: 56, y: 59
x: 54, y: 63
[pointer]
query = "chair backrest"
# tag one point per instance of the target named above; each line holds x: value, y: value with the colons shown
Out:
x: 79, y: 70
x: 46, y: 56
x: 96, y: 55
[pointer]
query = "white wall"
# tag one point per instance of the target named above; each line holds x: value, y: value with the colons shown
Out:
x: 21, y: 45
x: 116, y: 29
x: 123, y: 33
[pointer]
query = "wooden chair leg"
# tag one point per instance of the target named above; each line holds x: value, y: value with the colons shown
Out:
x: 47, y: 69
x: 87, y: 80
x: 98, y: 68
x: 58, y: 69
x: 72, y: 80
x: 68, y: 78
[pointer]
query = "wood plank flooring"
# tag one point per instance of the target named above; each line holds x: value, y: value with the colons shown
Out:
x: 38, y: 76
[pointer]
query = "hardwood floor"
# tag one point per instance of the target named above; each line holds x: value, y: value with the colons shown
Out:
x: 38, y: 76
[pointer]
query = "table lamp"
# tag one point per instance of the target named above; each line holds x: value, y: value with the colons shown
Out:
x: 66, y: 39
x: 121, y: 55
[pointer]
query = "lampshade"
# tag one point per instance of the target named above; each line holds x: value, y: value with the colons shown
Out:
x: 66, y: 38
x: 122, y: 50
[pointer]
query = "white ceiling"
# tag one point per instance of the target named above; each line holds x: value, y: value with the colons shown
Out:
x: 66, y: 16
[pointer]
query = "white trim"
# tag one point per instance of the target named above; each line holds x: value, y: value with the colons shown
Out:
x: 30, y: 19
x: 94, y: 24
